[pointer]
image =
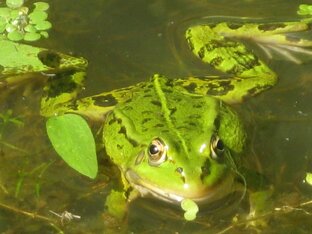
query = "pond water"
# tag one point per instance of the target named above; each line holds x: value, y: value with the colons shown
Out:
x: 127, y: 42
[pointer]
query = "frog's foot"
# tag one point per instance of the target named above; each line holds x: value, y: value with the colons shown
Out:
x: 290, y: 47
x: 288, y: 52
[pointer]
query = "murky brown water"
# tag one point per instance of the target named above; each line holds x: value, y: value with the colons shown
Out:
x: 126, y: 42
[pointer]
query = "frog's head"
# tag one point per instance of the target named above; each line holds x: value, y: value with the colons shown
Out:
x: 178, y: 149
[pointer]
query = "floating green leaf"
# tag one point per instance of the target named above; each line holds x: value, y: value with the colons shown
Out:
x: 190, y: 208
x: 14, y: 3
x: 41, y: 6
x: 15, y: 36
x: 32, y: 36
x: 43, y: 25
x: 37, y: 16
x: 72, y: 139
x: 30, y: 28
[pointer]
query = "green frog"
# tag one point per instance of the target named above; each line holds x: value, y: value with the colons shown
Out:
x: 177, y: 139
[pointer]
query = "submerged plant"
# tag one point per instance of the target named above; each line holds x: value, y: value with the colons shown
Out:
x: 7, y: 118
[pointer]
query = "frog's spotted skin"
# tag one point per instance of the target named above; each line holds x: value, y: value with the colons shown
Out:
x: 178, y: 139
x: 185, y: 123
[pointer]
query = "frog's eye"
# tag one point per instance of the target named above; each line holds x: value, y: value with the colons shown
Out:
x: 157, y: 152
x: 216, y: 147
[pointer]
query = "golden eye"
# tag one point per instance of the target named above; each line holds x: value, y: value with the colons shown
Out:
x: 157, y: 152
x: 216, y: 147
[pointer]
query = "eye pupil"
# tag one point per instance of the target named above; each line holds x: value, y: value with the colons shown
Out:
x: 217, y: 147
x: 153, y: 149
x: 220, y: 145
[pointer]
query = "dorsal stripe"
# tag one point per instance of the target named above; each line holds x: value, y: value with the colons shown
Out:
x: 165, y: 110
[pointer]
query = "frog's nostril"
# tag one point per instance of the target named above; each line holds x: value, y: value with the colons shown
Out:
x: 49, y: 58
x: 181, y: 172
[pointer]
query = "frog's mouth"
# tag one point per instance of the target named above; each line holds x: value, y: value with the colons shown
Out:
x: 222, y: 189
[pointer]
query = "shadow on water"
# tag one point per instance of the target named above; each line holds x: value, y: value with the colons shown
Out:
x: 126, y: 42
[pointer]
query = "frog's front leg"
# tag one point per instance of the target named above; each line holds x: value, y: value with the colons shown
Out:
x: 248, y: 74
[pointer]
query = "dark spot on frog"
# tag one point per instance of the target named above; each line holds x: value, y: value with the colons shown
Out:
x: 192, y: 124
x: 61, y: 83
x: 216, y: 61
x: 217, y: 122
x: 169, y: 83
x: 191, y: 87
x: 194, y: 116
x: 183, y: 127
x: 146, y: 120
x: 114, y: 120
x: 106, y: 100
x: 212, y: 25
x: 237, y: 69
x: 147, y: 95
x: 49, y: 58
x: 119, y: 146
x: 205, y: 169
x: 144, y: 129
x: 245, y: 62
x: 201, y: 52
x: 222, y: 88
x: 156, y: 103
x: 123, y: 131
x: 271, y: 27
x: 167, y: 90
x: 234, y: 26
x: 159, y: 125
x: 172, y: 110
x: 190, y: 43
x: 198, y: 105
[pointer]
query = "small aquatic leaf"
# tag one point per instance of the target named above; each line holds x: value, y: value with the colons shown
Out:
x: 15, y: 36
x: 72, y: 139
x: 30, y: 28
x: 5, y: 12
x: 190, y: 208
x: 32, y: 36
x: 41, y: 6
x: 37, y: 16
x: 14, y: 13
x: 14, y: 3
x: 44, y: 25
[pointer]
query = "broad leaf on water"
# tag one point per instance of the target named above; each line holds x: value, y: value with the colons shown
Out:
x: 72, y: 139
